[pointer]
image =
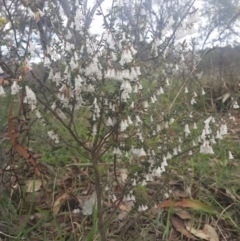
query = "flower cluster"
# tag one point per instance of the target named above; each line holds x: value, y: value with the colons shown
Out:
x: 122, y: 99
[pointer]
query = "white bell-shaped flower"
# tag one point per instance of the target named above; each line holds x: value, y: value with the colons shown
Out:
x: 2, y: 92
x: 219, y: 136
x: 186, y: 130
x: 15, y: 88
x: 1, y: 70
x: 30, y: 98
x: 175, y: 152
x: 235, y: 105
x: 206, y: 148
x: 230, y: 156
x: 109, y: 121
x: 134, y: 183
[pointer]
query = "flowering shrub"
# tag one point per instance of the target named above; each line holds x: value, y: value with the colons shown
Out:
x: 131, y: 111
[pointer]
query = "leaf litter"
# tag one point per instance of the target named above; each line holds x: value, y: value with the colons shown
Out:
x: 69, y: 195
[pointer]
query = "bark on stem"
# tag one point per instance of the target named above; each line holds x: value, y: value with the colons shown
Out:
x: 99, y: 193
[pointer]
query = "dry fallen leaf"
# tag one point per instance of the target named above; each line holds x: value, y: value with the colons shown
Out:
x: 183, y: 214
x: 14, y: 140
x: 210, y: 231
x: 123, y: 207
x: 174, y: 182
x: 126, y: 206
x: 197, y: 233
x: 123, y: 215
x: 57, y: 203
x: 174, y: 235
x: 180, y: 194
x: 188, y: 203
x: 179, y: 226
x: 33, y: 185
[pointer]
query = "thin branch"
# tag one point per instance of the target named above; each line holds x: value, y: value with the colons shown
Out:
x: 12, y: 24
x: 65, y: 125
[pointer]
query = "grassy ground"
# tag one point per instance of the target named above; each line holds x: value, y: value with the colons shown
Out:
x: 205, y: 189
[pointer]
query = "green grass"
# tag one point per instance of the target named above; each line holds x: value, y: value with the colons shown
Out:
x: 213, y: 177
